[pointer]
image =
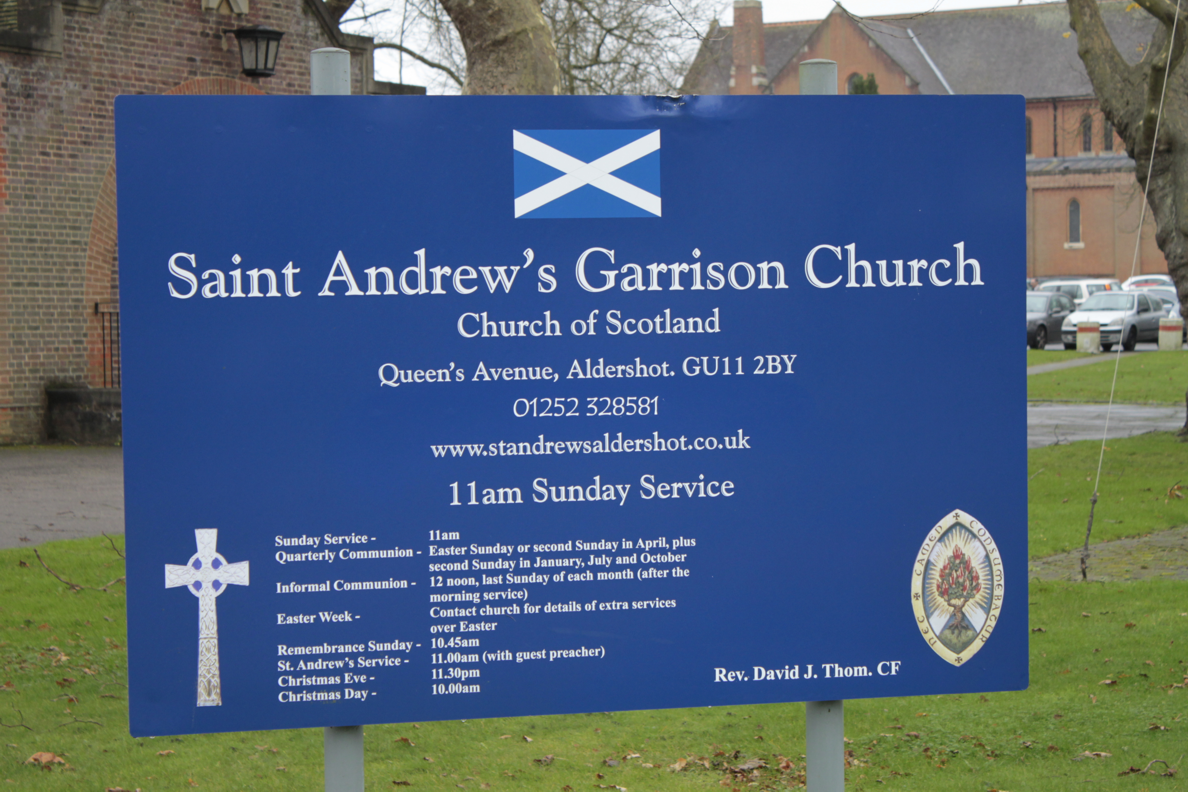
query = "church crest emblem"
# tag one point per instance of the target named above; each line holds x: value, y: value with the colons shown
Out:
x: 957, y: 587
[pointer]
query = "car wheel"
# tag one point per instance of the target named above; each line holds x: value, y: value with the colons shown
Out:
x: 1106, y: 347
x: 1041, y: 338
x: 1131, y: 339
x: 1069, y: 347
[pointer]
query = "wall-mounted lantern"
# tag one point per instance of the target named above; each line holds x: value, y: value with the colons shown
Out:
x: 258, y: 47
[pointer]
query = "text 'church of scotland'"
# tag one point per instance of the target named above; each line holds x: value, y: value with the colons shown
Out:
x: 1083, y: 204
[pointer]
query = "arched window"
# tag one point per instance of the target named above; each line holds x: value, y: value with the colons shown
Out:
x: 852, y: 82
x: 1028, y: 123
x: 1107, y: 135
x: 1086, y: 133
x: 1074, y: 222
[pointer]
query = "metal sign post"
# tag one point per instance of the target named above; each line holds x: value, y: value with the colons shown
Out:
x: 824, y: 721
x: 342, y: 746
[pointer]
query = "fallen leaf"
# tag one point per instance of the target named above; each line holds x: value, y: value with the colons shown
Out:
x: 1108, y: 682
x: 1053, y: 748
x: 913, y: 734
x: 45, y: 759
x: 749, y: 765
x: 1038, y: 629
x: 1096, y: 754
x: 611, y: 762
x: 65, y: 681
x: 678, y: 765
x: 428, y: 759
x: 282, y: 769
x: 599, y: 776
x: 527, y: 738
x: 544, y: 760
x: 401, y: 783
x: 1156, y: 727
x: 165, y: 753
x: 405, y: 740
x: 1129, y: 625
x: 1086, y: 614
x: 505, y: 736
x: 631, y: 755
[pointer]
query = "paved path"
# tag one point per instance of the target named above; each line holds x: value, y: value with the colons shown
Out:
x: 59, y: 492
x: 1044, y: 368
x: 1049, y: 424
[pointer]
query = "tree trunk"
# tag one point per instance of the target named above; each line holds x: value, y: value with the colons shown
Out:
x: 1131, y: 97
x: 509, y: 48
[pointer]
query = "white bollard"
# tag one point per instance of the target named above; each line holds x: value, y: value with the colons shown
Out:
x: 1088, y: 337
x: 1171, y: 334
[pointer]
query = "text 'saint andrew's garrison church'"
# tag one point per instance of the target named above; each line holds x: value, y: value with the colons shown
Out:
x: 64, y: 62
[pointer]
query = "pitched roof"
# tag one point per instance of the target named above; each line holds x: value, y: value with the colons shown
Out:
x: 709, y: 73
x: 1029, y: 50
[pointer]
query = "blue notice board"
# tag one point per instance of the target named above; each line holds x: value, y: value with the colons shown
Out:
x: 445, y: 408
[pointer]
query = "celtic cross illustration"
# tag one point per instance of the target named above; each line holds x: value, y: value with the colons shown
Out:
x: 206, y: 575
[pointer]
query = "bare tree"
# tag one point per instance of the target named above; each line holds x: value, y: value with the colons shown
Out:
x: 1146, y: 102
x: 601, y: 46
x: 1133, y: 98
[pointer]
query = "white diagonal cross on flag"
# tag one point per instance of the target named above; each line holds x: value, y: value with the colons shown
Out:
x: 598, y: 173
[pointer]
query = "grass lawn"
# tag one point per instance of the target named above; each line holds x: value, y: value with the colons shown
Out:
x: 1037, y: 357
x: 1136, y: 476
x: 1107, y: 666
x: 1149, y: 378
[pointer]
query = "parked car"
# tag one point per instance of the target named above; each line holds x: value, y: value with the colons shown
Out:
x: 1046, y: 311
x: 1170, y: 299
x: 1126, y: 317
x: 1140, y: 281
x: 1081, y: 288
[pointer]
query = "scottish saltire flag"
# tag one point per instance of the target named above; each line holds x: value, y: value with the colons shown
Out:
x: 587, y: 173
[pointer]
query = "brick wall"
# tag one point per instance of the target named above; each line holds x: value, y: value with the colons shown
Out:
x: 840, y: 39
x: 57, y: 170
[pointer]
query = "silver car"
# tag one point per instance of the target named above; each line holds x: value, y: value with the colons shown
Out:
x: 1126, y: 317
x: 1045, y: 314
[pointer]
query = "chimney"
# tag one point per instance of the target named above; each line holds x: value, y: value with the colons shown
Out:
x: 748, y: 73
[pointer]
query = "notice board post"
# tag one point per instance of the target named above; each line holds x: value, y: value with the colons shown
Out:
x: 824, y: 721
x: 342, y: 746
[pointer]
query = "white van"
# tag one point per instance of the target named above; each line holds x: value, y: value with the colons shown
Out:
x: 1081, y: 288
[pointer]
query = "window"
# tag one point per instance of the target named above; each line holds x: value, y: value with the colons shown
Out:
x: 1028, y: 124
x: 1107, y: 135
x: 1074, y: 222
x: 1086, y: 133
x: 853, y: 81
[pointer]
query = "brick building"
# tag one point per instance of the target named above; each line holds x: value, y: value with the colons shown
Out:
x: 1082, y: 199
x: 62, y: 63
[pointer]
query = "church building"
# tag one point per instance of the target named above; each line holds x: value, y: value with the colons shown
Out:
x: 1083, y: 203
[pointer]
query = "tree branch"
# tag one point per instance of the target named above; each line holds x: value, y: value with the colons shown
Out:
x: 1162, y: 10
x: 20, y: 725
x: 1107, y: 68
x: 75, y: 586
x: 113, y: 545
x: 416, y: 56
